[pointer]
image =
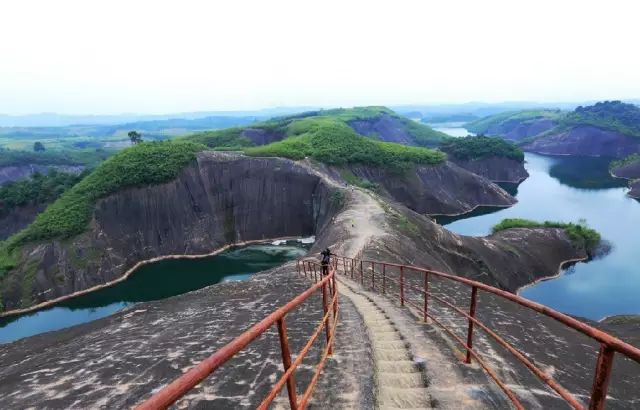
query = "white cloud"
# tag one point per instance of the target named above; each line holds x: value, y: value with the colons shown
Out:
x: 152, y: 56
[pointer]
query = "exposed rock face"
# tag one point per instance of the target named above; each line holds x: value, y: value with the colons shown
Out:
x: 496, y: 169
x: 586, y: 140
x: 442, y: 189
x: 223, y: 199
x: 384, y: 127
x: 18, y: 218
x: 630, y: 171
x: 517, y: 130
x: 17, y: 172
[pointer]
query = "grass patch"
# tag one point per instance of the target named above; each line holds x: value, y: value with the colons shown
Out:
x: 333, y: 142
x: 474, y: 148
x: 579, y: 233
x: 143, y: 164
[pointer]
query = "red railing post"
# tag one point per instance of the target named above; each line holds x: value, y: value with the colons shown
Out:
x: 472, y: 313
x: 286, y: 362
x: 426, y: 292
x: 315, y: 273
x: 325, y: 309
x: 304, y: 268
x: 384, y: 277
x: 361, y: 274
x: 401, y: 285
x: 335, y: 296
x: 373, y: 276
x: 601, y: 378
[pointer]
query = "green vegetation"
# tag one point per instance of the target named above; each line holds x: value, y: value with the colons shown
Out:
x: 611, y: 115
x: 482, y: 125
x: 226, y: 139
x: 622, y: 162
x: 333, y: 142
x: 145, y: 163
x: 38, y: 189
x: 474, y: 148
x: 87, y: 157
x: 281, y: 128
x: 579, y: 233
x: 352, y: 179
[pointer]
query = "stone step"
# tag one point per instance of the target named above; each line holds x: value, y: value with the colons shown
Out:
x: 390, y: 344
x: 396, y: 366
x: 403, y: 380
x: 404, y: 398
x: 393, y: 354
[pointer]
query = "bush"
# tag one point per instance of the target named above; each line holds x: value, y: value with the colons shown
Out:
x: 579, y: 233
x: 145, y: 163
x: 473, y: 148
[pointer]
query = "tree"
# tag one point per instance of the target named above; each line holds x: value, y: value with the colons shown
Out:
x: 135, y: 137
x: 38, y: 146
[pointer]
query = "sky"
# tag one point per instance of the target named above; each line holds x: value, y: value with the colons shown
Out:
x: 110, y: 57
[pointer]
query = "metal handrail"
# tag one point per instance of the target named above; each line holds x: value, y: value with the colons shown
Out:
x: 609, y: 345
x: 183, y: 384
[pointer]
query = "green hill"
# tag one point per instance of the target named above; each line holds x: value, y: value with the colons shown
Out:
x: 382, y: 123
x: 609, y: 115
x: 474, y: 148
x: 483, y: 125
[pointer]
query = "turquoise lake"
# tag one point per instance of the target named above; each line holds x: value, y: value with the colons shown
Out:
x: 154, y: 281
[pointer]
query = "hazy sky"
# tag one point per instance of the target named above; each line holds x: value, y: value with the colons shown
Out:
x: 152, y: 56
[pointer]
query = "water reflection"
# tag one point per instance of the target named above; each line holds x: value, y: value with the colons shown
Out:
x: 579, y: 188
x: 155, y: 281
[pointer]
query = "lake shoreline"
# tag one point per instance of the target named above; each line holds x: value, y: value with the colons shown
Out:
x: 138, y: 265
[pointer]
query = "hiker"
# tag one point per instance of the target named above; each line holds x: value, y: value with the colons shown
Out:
x: 326, y: 258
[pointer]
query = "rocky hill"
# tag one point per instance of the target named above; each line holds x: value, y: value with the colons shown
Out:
x: 515, y: 125
x: 608, y: 129
x: 492, y: 158
x: 629, y: 168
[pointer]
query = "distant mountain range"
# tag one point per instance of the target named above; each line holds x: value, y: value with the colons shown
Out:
x: 475, y: 109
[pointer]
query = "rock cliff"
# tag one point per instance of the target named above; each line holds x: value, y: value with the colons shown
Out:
x: 585, y: 140
x: 630, y: 171
x: 445, y: 189
x: 516, y: 130
x: 496, y: 169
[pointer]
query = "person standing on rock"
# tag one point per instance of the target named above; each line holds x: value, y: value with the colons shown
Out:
x: 326, y: 259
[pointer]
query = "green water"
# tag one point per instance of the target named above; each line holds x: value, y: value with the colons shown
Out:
x: 569, y: 189
x: 155, y: 281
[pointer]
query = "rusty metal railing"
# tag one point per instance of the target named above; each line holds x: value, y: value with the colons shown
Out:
x: 609, y: 345
x: 327, y: 285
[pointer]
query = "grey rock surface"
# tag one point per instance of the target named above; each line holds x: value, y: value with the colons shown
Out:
x: 585, y: 140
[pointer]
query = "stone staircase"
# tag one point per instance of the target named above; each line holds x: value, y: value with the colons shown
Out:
x: 400, y: 382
